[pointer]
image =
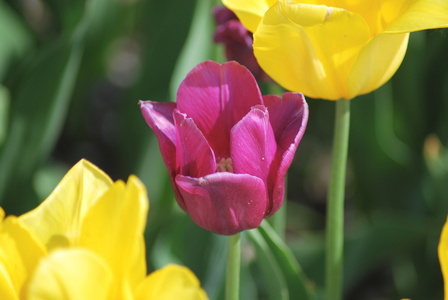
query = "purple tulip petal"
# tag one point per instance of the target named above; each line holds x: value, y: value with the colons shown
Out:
x: 238, y: 45
x: 222, y: 14
x: 233, y: 33
x: 216, y: 97
x: 194, y: 156
x: 224, y: 203
x: 288, y: 117
x: 252, y: 144
x: 159, y: 117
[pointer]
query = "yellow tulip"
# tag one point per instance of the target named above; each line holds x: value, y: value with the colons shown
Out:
x: 443, y: 257
x: 19, y: 255
x: 85, y: 241
x: 334, y: 49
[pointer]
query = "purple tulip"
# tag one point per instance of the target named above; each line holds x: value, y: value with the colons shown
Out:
x: 227, y: 148
x: 237, y: 40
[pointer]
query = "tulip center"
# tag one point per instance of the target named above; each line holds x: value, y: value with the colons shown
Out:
x: 224, y: 165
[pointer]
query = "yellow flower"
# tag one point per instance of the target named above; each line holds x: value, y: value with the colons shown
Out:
x: 85, y: 241
x: 334, y: 49
x: 443, y: 257
x: 19, y: 255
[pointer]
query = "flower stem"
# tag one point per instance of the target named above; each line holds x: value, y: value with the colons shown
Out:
x: 335, y: 206
x: 233, y: 268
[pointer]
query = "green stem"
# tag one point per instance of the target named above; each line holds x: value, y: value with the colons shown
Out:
x: 233, y: 268
x: 335, y: 206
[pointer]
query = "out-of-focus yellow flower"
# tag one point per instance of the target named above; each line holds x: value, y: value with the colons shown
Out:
x: 19, y: 255
x: 334, y: 49
x: 443, y: 257
x: 85, y: 241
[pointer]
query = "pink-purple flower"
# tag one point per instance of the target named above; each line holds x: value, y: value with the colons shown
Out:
x: 237, y: 40
x: 227, y: 148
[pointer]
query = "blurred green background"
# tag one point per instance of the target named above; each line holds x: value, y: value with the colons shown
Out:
x: 71, y: 75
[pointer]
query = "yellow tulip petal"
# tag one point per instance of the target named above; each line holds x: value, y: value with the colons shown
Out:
x: 7, y: 288
x: 310, y: 48
x: 56, y: 221
x: 443, y: 256
x: 420, y: 15
x: 394, y: 16
x: 376, y: 63
x: 171, y: 282
x: 378, y: 14
x: 113, y: 228
x: 19, y: 255
x: 249, y: 12
x: 70, y: 275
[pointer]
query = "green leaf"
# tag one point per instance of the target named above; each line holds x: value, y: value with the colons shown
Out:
x: 4, y: 109
x: 41, y: 99
x: 198, y: 46
x: 164, y: 24
x: 375, y: 243
x: 273, y: 277
x: 296, y: 280
x: 40, y: 103
x: 14, y: 38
